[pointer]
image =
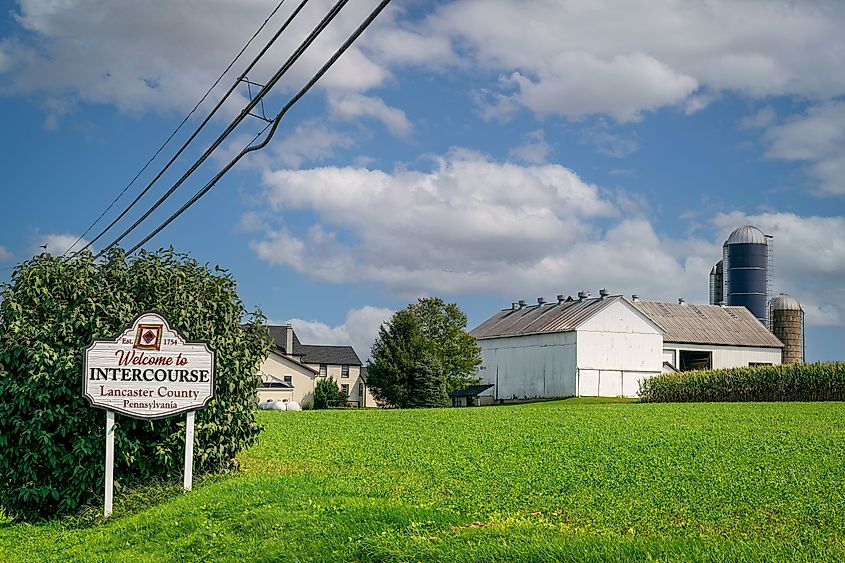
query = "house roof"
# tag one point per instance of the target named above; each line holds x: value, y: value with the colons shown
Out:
x: 293, y: 360
x: 470, y: 390
x: 327, y: 354
x: 709, y: 324
x: 550, y: 317
x: 312, y: 354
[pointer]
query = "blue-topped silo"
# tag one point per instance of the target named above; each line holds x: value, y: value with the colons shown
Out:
x: 745, y: 267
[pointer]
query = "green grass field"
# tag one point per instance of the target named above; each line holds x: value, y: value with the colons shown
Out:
x: 563, y: 481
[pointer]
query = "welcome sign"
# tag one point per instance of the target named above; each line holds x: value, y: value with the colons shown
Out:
x: 148, y: 371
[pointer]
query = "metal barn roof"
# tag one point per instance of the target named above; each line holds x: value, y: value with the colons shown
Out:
x: 709, y: 324
x: 549, y: 317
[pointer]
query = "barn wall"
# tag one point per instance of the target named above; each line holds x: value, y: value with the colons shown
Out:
x: 529, y: 367
x: 616, y: 350
x: 729, y: 356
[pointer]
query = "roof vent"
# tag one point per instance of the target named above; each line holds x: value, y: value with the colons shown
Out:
x: 635, y: 298
x: 560, y: 298
x: 583, y: 295
x: 681, y: 301
x: 541, y: 301
x: 514, y: 306
x: 521, y: 303
x: 604, y: 293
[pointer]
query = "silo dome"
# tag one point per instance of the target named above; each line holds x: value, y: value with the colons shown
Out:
x: 747, y: 234
x: 785, y: 302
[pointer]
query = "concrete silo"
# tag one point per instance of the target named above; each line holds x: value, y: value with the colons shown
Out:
x: 745, y: 266
x: 717, y: 284
x: 787, y: 321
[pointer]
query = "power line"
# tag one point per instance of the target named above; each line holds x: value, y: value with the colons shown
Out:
x: 249, y: 148
x: 327, y: 19
x: 208, y: 117
x: 178, y: 127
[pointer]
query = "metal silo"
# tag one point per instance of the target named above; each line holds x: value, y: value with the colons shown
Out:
x: 746, y: 270
x: 787, y: 319
x: 717, y: 284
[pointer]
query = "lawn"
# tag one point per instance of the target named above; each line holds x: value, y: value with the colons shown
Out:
x: 561, y: 481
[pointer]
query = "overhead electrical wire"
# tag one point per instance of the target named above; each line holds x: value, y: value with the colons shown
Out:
x: 178, y: 128
x: 273, y: 126
x: 327, y: 19
x: 205, y: 121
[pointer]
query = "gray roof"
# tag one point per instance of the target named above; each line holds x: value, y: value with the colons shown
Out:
x: 709, y: 324
x: 470, y: 390
x: 550, y: 317
x: 747, y: 234
x: 313, y: 354
x: 338, y: 355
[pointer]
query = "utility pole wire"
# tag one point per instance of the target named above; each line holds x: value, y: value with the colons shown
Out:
x: 173, y: 134
x: 204, y: 121
x: 327, y: 19
x: 349, y: 41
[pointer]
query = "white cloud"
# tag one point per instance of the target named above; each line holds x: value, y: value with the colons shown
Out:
x: 473, y: 225
x: 534, y: 150
x: 358, y: 330
x: 102, y: 51
x: 352, y: 106
x: 624, y: 58
x: 610, y: 144
x: 817, y: 137
x: 5, y: 254
x: 311, y: 142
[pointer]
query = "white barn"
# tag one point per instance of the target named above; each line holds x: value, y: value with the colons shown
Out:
x: 712, y: 336
x: 605, y: 346
x: 591, y: 346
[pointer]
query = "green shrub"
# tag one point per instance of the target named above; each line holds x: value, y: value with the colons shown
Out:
x: 328, y: 394
x: 51, y: 442
x: 788, y: 382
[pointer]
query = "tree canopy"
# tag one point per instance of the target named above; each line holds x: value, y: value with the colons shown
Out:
x: 328, y: 394
x: 51, y: 440
x: 421, y: 353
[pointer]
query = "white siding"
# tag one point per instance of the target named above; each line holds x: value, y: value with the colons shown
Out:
x: 616, y: 349
x: 531, y: 366
x: 730, y: 356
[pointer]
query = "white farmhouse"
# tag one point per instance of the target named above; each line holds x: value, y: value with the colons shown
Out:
x: 605, y: 346
x: 291, y: 370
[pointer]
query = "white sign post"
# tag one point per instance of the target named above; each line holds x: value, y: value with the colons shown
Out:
x: 148, y: 371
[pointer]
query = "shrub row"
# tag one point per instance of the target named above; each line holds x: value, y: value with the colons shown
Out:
x: 790, y: 382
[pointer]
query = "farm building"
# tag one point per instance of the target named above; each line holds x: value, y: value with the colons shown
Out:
x: 712, y: 336
x: 605, y: 346
x: 291, y: 370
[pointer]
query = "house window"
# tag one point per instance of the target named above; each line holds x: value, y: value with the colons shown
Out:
x: 360, y: 389
x: 289, y: 380
x: 344, y: 371
x: 322, y: 370
x: 345, y: 389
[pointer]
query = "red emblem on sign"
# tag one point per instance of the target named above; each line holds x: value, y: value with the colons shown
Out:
x: 148, y: 337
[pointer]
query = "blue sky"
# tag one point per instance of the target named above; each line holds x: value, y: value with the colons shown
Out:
x: 484, y: 151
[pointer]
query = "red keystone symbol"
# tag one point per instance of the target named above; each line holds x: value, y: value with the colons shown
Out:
x: 149, y: 336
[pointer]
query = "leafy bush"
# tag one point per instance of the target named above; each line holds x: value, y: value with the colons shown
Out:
x: 51, y: 441
x: 328, y: 394
x: 788, y: 382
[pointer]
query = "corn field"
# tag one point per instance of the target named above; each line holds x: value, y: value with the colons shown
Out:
x: 788, y: 382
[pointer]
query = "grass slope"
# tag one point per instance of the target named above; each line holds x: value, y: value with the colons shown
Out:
x: 565, y: 481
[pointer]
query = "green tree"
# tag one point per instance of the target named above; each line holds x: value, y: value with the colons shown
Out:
x: 429, y: 384
x: 51, y: 440
x: 428, y: 331
x: 328, y: 394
